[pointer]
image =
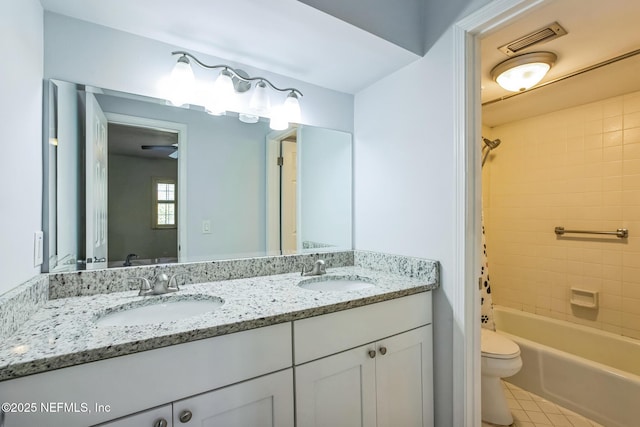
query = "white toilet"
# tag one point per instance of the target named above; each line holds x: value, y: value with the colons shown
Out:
x: 500, y: 359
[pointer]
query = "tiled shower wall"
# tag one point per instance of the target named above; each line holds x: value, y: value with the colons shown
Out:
x: 578, y: 168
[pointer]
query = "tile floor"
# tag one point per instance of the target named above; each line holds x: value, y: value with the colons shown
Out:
x: 530, y: 410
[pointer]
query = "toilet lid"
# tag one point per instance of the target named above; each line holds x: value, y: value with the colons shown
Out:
x: 497, y: 346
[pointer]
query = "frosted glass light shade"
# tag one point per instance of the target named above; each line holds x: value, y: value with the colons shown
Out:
x: 181, y: 83
x: 278, y: 120
x: 522, y: 77
x: 524, y: 71
x: 223, y: 92
x: 248, y: 118
x: 292, y: 108
x: 260, y: 103
x: 213, y: 107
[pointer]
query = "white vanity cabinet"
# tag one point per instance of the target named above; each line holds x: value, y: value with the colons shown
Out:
x: 346, y: 377
x: 123, y: 386
x: 365, y: 366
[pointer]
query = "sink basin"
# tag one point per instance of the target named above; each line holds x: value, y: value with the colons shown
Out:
x: 147, y: 312
x: 337, y: 283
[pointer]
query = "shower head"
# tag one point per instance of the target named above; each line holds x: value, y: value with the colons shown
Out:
x: 489, y: 145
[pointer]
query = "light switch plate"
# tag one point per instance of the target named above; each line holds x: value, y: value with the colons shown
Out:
x: 206, y: 227
x: 38, y: 242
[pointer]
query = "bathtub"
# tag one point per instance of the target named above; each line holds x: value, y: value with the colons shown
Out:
x: 591, y: 372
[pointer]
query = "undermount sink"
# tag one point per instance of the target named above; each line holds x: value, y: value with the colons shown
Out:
x: 337, y: 283
x: 146, y: 312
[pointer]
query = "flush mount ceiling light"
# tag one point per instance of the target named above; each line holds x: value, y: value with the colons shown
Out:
x: 522, y: 72
x: 225, y: 91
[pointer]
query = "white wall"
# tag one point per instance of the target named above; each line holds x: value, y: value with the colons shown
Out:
x: 81, y: 52
x: 404, y: 186
x: 21, y: 143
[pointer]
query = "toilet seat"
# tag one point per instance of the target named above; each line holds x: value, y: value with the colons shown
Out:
x: 496, y: 346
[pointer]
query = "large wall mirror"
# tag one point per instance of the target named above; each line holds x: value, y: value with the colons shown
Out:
x: 131, y: 180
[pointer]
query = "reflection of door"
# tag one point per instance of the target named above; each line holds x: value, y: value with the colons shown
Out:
x: 281, y: 160
x: 96, y: 181
x: 288, y: 198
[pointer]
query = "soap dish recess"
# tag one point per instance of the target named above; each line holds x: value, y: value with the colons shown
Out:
x: 584, y: 298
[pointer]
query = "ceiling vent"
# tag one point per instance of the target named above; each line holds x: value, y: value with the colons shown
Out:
x: 542, y: 35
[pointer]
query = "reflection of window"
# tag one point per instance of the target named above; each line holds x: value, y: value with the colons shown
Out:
x: 164, y: 203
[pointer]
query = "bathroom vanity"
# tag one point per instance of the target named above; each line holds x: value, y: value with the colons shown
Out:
x: 273, y: 353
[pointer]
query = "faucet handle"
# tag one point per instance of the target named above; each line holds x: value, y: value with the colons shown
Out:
x: 144, y: 286
x: 320, y: 267
x: 174, y: 280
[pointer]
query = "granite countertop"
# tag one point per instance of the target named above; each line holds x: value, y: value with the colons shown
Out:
x: 63, y: 332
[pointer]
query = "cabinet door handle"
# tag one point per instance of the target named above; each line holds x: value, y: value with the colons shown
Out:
x: 185, y: 416
x: 372, y: 353
x: 161, y: 422
x: 383, y: 350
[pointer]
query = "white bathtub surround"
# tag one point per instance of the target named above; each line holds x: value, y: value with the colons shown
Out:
x: 20, y: 303
x: 591, y: 372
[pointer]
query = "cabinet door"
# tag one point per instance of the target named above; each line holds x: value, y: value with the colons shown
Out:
x: 337, y: 390
x: 404, y: 379
x: 157, y: 417
x: 262, y: 402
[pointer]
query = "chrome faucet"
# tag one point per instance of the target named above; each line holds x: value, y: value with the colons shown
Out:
x: 127, y: 263
x: 162, y: 284
x: 319, y: 268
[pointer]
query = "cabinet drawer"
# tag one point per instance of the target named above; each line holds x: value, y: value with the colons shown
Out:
x: 150, y: 418
x: 321, y: 336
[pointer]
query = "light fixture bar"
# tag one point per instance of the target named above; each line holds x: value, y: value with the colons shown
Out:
x: 568, y: 76
x: 235, y: 73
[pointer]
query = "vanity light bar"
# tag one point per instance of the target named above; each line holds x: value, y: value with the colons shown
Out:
x: 238, y: 74
x: 229, y: 82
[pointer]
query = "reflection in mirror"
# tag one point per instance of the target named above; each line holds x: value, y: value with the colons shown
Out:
x: 134, y: 181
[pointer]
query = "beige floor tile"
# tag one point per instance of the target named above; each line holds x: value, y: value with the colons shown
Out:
x: 513, y: 404
x: 578, y: 421
x: 530, y: 410
x: 520, y: 415
x: 559, y: 420
x: 521, y: 395
x: 539, y: 418
x: 548, y: 407
x: 529, y: 405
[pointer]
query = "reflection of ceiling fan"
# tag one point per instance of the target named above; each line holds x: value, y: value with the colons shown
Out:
x: 171, y: 150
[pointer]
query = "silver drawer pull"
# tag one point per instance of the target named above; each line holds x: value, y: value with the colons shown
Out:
x: 160, y: 423
x: 185, y: 416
